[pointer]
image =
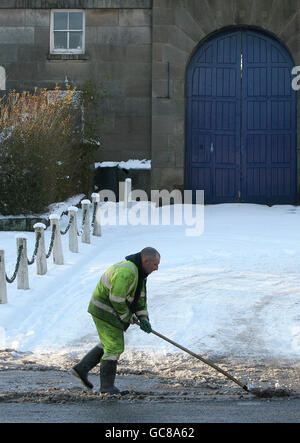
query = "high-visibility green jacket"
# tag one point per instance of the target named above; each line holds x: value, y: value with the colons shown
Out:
x: 112, y: 300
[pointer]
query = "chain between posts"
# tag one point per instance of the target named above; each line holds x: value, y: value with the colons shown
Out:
x: 38, y: 237
x: 51, y: 241
x: 84, y: 217
x: 94, y: 214
x: 10, y: 280
x: 68, y: 227
x: 83, y: 221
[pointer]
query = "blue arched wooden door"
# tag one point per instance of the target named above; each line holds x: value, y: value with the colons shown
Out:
x: 241, y: 120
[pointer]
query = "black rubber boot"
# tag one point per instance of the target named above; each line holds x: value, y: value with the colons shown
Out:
x: 89, y: 361
x: 108, y: 369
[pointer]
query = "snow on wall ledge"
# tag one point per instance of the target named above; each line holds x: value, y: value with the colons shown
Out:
x: 129, y: 164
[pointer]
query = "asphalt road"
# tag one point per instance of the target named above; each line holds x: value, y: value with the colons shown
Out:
x: 261, y: 411
x: 33, y: 393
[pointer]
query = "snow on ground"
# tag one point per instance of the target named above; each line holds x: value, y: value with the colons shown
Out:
x: 232, y: 291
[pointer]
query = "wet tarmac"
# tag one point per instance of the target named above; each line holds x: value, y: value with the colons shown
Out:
x: 41, y: 389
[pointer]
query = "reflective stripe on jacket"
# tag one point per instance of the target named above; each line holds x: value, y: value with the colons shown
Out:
x: 113, y: 297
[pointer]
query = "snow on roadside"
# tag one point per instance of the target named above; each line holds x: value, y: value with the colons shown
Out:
x: 232, y: 291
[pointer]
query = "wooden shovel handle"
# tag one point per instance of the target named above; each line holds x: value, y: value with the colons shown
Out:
x: 199, y: 357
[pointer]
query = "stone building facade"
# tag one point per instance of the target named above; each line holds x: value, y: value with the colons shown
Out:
x: 140, y: 51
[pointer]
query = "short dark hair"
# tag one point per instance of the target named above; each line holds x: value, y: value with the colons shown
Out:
x: 149, y: 253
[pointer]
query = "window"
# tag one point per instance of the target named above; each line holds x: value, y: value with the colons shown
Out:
x: 67, y: 32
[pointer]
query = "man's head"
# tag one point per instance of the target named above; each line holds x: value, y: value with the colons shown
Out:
x: 150, y: 260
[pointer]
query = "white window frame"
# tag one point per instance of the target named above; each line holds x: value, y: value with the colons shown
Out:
x: 67, y: 51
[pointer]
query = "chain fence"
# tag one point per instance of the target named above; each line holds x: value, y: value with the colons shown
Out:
x: 79, y: 233
x: 10, y: 280
x: 94, y: 215
x: 55, y: 238
x: 51, y: 241
x: 40, y: 255
x: 69, y: 225
x: 37, y: 242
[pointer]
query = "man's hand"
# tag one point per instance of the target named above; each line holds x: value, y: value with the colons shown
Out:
x: 145, y: 326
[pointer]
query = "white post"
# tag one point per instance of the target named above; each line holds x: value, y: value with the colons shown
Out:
x: 3, y: 291
x: 121, y: 191
x: 23, y: 282
x: 58, y: 257
x: 41, y: 261
x: 97, y: 220
x: 127, y: 193
x: 73, y: 238
x: 86, y: 233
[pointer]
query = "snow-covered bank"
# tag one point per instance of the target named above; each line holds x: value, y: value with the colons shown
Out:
x: 232, y: 291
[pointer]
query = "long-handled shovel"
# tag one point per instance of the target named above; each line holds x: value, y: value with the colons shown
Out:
x: 269, y: 392
x: 204, y: 360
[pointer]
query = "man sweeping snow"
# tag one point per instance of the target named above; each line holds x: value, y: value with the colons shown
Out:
x: 120, y: 294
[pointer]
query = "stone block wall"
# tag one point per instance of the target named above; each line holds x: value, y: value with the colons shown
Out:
x: 139, y: 52
x: 118, y: 59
